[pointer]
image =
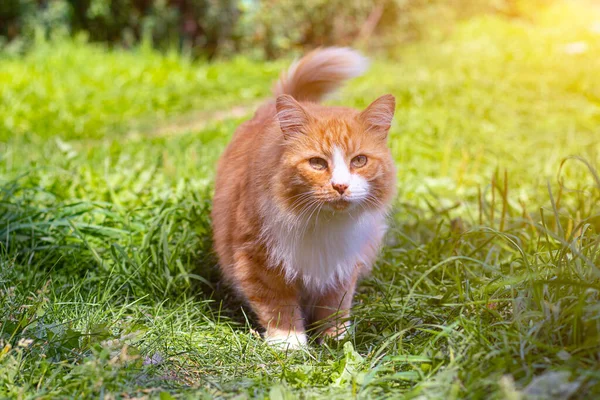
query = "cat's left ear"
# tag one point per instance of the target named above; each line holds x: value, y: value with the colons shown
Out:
x: 377, y: 117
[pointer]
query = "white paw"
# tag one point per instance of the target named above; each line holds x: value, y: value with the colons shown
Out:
x: 339, y: 332
x: 341, y: 335
x: 286, y: 340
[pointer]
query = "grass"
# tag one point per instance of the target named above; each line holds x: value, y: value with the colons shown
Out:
x: 488, y: 286
x: 61, y: 81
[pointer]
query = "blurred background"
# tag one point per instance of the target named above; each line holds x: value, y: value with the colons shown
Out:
x: 258, y: 28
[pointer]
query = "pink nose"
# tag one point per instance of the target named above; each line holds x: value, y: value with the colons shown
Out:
x: 339, y: 187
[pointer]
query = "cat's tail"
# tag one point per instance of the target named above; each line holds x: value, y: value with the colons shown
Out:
x: 320, y: 72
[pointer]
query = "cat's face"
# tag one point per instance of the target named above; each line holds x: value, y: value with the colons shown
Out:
x: 336, y: 160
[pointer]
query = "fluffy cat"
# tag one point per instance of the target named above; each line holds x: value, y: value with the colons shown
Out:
x: 301, y: 197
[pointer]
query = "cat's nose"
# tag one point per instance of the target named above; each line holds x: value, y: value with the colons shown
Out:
x: 339, y: 187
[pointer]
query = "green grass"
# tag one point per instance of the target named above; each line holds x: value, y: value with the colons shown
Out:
x: 488, y: 287
x: 58, y: 83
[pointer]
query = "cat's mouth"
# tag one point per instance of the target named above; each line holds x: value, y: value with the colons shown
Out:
x: 343, y: 202
x: 339, y: 204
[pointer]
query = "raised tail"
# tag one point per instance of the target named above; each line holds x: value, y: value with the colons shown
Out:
x: 320, y: 72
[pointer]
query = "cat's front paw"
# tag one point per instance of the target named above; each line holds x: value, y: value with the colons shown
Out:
x: 337, y: 332
x: 285, y: 340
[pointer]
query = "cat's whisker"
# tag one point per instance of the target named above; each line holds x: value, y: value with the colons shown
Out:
x: 299, y: 205
x: 304, y: 211
x: 309, y: 193
x: 318, y: 213
x: 317, y: 205
x: 372, y: 201
x: 300, y: 202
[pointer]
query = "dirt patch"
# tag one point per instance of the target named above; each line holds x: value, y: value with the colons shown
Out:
x: 191, y: 122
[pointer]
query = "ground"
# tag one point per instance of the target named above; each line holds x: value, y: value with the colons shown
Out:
x: 489, y: 283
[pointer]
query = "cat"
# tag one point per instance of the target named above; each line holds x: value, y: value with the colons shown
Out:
x: 301, y: 197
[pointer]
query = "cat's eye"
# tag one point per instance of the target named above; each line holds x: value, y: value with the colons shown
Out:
x: 359, y: 161
x: 318, y: 163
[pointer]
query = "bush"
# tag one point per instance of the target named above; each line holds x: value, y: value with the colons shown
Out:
x: 264, y: 28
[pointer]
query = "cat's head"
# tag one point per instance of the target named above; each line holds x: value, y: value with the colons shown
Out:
x: 336, y: 159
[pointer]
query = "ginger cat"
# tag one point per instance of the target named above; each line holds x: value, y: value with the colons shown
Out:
x: 302, y: 192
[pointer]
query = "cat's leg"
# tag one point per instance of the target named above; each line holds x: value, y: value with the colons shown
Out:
x: 331, y: 310
x: 274, y: 301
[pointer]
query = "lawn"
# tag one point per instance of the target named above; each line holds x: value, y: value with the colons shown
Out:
x: 489, y: 283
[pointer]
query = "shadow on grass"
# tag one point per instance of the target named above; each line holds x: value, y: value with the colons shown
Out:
x: 221, y: 297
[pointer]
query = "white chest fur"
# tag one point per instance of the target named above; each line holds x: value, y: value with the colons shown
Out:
x: 326, y: 251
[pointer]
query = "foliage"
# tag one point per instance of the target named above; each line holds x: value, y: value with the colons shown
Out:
x: 488, y: 286
x: 262, y: 28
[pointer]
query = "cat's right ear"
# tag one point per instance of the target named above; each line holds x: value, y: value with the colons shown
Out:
x: 291, y: 115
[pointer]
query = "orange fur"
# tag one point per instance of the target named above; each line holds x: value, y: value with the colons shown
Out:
x: 297, y: 216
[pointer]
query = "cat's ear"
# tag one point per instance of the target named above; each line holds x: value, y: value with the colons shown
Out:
x: 377, y: 117
x: 291, y: 115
